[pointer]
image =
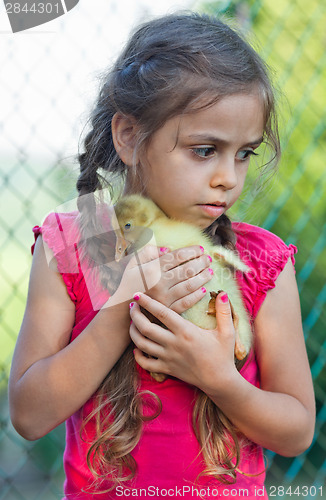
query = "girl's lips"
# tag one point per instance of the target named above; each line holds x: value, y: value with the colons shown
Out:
x: 213, y: 210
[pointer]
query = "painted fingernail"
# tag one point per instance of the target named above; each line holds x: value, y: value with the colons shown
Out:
x: 164, y: 249
x: 131, y: 305
x: 224, y: 298
x: 203, y: 289
x: 210, y: 258
x: 131, y: 322
x: 136, y: 296
x: 211, y: 271
x: 202, y: 249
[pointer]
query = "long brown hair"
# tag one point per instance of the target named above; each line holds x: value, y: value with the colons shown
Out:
x: 166, y: 69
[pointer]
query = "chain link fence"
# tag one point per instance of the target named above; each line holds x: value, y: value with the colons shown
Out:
x: 37, y: 173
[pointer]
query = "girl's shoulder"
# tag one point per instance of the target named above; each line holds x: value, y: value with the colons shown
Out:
x: 66, y: 242
x: 65, y: 233
x: 266, y: 255
x: 260, y: 244
x: 60, y: 231
x: 61, y: 234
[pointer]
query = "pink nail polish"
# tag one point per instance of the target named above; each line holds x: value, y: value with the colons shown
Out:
x: 202, y: 249
x: 211, y: 271
x: 136, y: 296
x: 224, y: 298
x: 164, y: 249
x: 131, y: 322
x: 131, y: 305
x: 210, y: 258
x: 203, y: 289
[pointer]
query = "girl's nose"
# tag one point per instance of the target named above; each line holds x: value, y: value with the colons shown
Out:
x: 224, y: 174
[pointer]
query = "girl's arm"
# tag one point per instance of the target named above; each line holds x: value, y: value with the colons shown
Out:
x: 281, y: 414
x: 51, y: 378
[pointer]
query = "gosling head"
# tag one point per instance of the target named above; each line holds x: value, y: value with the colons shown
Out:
x: 134, y: 214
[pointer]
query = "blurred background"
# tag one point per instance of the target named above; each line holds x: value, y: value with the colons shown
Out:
x: 49, y: 80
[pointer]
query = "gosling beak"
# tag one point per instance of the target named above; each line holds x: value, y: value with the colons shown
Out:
x: 121, y: 246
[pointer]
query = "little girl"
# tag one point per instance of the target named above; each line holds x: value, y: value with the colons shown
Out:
x: 178, y: 117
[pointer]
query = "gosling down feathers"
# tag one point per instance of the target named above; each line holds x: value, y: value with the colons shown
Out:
x: 134, y: 213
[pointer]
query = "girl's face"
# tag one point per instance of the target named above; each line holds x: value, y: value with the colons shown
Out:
x: 196, y: 164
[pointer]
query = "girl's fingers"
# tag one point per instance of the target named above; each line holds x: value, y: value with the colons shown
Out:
x: 169, y: 318
x: 224, y: 322
x: 178, y: 257
x: 189, y: 300
x: 151, y: 331
x: 144, y: 343
x: 149, y: 364
x: 189, y: 292
x: 190, y: 269
x: 168, y: 259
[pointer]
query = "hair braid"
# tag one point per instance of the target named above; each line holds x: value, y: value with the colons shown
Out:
x: 221, y: 232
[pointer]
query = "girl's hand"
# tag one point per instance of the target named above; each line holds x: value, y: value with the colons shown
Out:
x: 204, y: 358
x: 184, y: 272
x: 176, y: 279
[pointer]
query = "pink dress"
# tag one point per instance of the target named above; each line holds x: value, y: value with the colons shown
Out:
x: 168, y: 455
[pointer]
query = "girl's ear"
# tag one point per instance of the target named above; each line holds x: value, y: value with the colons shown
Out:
x: 124, y: 137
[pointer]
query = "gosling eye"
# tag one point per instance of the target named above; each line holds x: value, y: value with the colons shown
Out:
x: 127, y: 226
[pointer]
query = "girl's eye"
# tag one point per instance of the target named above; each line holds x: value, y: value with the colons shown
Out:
x: 127, y: 226
x: 204, y: 151
x: 245, y: 154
